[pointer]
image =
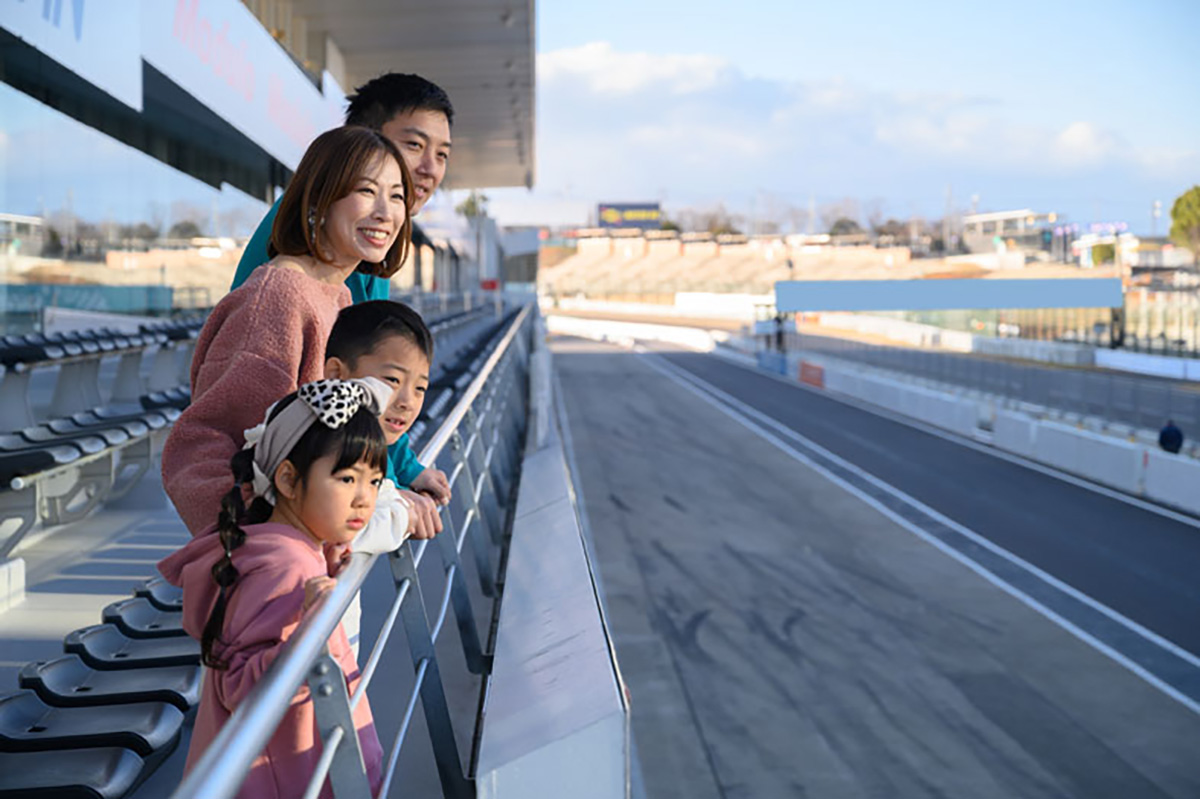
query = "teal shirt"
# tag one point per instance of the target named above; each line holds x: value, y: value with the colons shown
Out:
x: 403, y: 466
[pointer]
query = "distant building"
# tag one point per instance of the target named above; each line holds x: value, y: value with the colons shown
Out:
x: 1023, y: 230
x: 21, y: 235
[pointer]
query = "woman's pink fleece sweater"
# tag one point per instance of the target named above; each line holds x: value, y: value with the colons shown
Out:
x: 261, y: 342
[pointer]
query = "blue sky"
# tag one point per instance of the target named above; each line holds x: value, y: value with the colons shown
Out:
x: 1085, y: 108
x: 1088, y: 109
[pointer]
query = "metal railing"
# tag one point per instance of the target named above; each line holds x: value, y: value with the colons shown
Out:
x: 479, y: 444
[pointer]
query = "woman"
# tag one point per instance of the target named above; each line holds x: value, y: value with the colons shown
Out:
x: 347, y: 208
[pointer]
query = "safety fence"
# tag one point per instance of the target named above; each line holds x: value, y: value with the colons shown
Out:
x: 479, y: 445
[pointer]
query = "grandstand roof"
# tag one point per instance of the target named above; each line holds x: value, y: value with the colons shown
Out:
x: 480, y: 53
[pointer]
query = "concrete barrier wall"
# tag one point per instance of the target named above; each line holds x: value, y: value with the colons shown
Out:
x: 1134, y: 467
x: 555, y: 719
x: 1098, y: 457
x: 625, y: 332
x: 1014, y: 432
x: 1158, y: 365
x: 1173, y: 480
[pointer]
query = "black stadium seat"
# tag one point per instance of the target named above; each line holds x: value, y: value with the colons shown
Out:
x: 104, y: 647
x: 161, y: 594
x: 32, y: 461
x: 27, y: 724
x: 68, y: 682
x: 139, y: 618
x: 87, y: 774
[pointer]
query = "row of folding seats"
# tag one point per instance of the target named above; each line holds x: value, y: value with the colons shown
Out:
x: 100, y: 719
x: 21, y: 352
x: 61, y: 441
x: 469, y: 347
x: 179, y: 329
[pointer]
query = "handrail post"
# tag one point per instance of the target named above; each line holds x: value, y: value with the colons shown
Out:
x: 455, y: 784
x: 479, y: 543
x: 331, y: 704
x: 464, y: 614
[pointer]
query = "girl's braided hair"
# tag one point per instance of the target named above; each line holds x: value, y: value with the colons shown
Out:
x: 360, y: 439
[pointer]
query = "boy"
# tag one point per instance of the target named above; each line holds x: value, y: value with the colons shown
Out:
x: 389, y: 341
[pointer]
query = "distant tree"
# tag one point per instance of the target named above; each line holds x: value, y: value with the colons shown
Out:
x: 667, y: 224
x: 829, y: 213
x: 1104, y: 254
x: 475, y: 205
x: 184, y: 229
x: 894, y: 228
x: 797, y: 218
x: 142, y: 230
x: 844, y: 227
x: 53, y: 246
x: 1185, y: 221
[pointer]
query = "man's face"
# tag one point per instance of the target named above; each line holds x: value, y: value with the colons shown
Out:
x: 423, y: 137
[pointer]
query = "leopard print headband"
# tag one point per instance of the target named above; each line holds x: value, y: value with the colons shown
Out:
x: 330, y: 402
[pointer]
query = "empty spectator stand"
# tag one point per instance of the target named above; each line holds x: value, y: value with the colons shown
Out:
x: 61, y: 458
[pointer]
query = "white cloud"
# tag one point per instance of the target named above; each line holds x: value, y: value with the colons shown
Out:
x: 695, y: 130
x: 1084, y: 144
x: 607, y: 71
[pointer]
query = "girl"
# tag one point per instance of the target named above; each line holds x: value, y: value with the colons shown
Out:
x: 315, y: 465
x: 346, y: 209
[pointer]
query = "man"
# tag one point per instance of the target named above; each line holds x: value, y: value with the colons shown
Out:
x: 1170, y: 438
x: 416, y: 115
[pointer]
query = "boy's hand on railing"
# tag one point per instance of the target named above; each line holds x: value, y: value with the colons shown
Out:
x: 433, y: 482
x: 315, y: 588
x: 423, y: 518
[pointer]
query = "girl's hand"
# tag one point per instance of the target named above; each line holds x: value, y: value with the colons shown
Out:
x: 315, y: 588
x: 336, y: 557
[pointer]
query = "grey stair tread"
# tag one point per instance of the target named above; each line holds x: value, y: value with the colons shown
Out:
x: 139, y: 618
x: 107, y: 773
x: 69, y: 682
x: 161, y: 594
x: 104, y: 647
x: 27, y: 724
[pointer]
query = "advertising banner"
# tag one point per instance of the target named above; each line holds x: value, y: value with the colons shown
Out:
x: 647, y: 216
x: 220, y: 54
x: 80, y: 37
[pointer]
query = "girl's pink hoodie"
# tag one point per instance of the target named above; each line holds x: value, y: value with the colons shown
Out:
x: 264, y: 609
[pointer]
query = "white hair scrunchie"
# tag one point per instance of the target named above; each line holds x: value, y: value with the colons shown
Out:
x: 330, y: 402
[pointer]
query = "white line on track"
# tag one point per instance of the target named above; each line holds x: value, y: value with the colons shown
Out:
x: 754, y: 421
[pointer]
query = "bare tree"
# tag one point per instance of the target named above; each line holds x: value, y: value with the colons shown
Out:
x: 873, y: 208
x: 845, y: 208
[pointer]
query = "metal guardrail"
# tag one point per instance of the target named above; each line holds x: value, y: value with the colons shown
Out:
x: 480, y: 442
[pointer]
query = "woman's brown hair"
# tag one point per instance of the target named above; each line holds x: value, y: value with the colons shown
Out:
x: 329, y: 170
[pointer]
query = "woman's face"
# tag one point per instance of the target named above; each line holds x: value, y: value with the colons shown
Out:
x: 363, y: 225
